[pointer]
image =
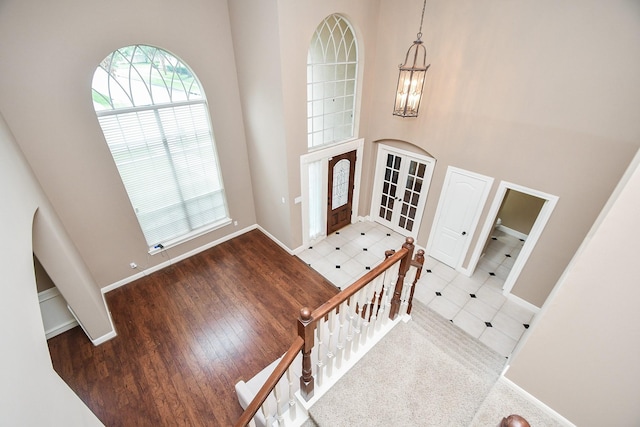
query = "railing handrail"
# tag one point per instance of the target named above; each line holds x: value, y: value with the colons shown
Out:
x: 271, y: 382
x: 345, y: 294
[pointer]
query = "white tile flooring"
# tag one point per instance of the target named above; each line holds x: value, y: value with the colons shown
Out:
x: 475, y: 304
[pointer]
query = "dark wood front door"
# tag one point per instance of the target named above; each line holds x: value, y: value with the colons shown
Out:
x: 340, y: 194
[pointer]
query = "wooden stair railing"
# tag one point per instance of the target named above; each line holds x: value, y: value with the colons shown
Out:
x: 308, y: 321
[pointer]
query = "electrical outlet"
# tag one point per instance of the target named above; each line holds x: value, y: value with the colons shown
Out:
x: 133, y: 265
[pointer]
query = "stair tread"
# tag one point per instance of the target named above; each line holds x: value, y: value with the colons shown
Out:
x: 456, y: 342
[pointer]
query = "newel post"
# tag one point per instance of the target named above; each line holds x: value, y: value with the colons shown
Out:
x: 405, y: 263
x: 305, y: 331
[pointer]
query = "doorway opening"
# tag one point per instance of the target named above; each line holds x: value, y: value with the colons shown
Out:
x: 516, y: 219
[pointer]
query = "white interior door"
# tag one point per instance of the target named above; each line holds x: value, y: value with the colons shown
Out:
x: 461, y: 201
x: 400, y: 189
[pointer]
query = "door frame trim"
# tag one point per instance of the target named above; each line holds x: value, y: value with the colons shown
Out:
x: 376, y: 188
x: 324, y: 155
x: 529, y: 244
x: 476, y: 217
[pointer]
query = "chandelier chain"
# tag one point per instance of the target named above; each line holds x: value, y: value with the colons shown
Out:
x: 424, y: 5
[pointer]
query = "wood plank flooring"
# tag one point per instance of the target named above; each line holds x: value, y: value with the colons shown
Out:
x: 188, y: 333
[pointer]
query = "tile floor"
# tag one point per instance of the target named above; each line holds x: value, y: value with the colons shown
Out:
x: 475, y: 304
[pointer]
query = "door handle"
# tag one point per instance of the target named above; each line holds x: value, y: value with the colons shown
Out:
x: 464, y: 233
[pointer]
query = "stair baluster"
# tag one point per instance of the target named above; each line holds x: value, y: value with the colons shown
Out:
x: 331, y: 342
x: 375, y: 306
x: 279, y: 408
x: 364, y: 304
x: 342, y: 334
x: 321, y: 350
x: 357, y: 320
x: 292, y: 394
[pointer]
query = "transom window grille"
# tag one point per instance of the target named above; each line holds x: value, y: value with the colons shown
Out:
x: 155, y: 119
x: 332, y: 66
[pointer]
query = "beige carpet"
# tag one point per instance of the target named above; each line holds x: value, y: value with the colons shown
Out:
x: 503, y: 399
x: 424, y: 373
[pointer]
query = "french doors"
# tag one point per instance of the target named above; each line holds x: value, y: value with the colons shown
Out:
x: 400, y: 189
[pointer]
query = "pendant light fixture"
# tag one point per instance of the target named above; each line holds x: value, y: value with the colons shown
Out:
x: 411, y: 77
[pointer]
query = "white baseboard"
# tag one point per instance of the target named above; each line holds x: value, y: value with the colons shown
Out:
x: 106, y: 337
x: 535, y: 309
x: 56, y: 318
x: 102, y: 339
x: 186, y: 255
x: 534, y: 400
x: 512, y: 232
x: 278, y: 242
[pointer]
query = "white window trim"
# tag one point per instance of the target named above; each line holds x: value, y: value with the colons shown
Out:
x: 189, y: 236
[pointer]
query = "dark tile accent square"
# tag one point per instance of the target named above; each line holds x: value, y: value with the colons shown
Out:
x: 439, y: 294
x: 507, y: 255
x: 365, y: 249
x: 388, y: 234
x: 310, y: 247
x: 451, y: 320
x: 428, y: 271
x: 494, y: 238
x: 337, y: 248
x: 337, y: 266
x: 522, y: 240
x: 367, y: 268
x: 492, y: 274
x: 362, y: 234
x: 526, y: 325
x: 489, y: 325
x: 337, y: 232
x: 473, y: 295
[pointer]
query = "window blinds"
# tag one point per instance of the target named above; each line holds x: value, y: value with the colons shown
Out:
x: 166, y: 158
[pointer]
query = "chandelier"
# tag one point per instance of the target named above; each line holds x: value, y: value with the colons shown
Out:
x: 411, y: 77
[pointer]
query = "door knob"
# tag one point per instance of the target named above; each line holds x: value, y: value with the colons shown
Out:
x: 464, y: 233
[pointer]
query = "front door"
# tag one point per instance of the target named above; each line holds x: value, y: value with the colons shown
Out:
x: 340, y: 194
x: 463, y: 196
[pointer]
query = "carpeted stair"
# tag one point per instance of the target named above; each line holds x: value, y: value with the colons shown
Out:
x: 426, y: 372
x: 467, y: 350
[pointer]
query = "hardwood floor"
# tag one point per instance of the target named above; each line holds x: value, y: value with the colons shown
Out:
x: 188, y: 333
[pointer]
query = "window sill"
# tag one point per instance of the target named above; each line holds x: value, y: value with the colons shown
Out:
x: 192, y: 235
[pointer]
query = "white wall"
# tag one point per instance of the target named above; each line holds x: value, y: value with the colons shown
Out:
x: 31, y: 392
x: 49, y: 53
x: 544, y: 94
x: 581, y: 357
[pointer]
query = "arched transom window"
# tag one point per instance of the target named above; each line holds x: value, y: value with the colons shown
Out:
x: 155, y: 120
x: 332, y: 67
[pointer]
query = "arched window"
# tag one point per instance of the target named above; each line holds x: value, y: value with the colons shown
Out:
x: 155, y: 119
x: 332, y: 67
